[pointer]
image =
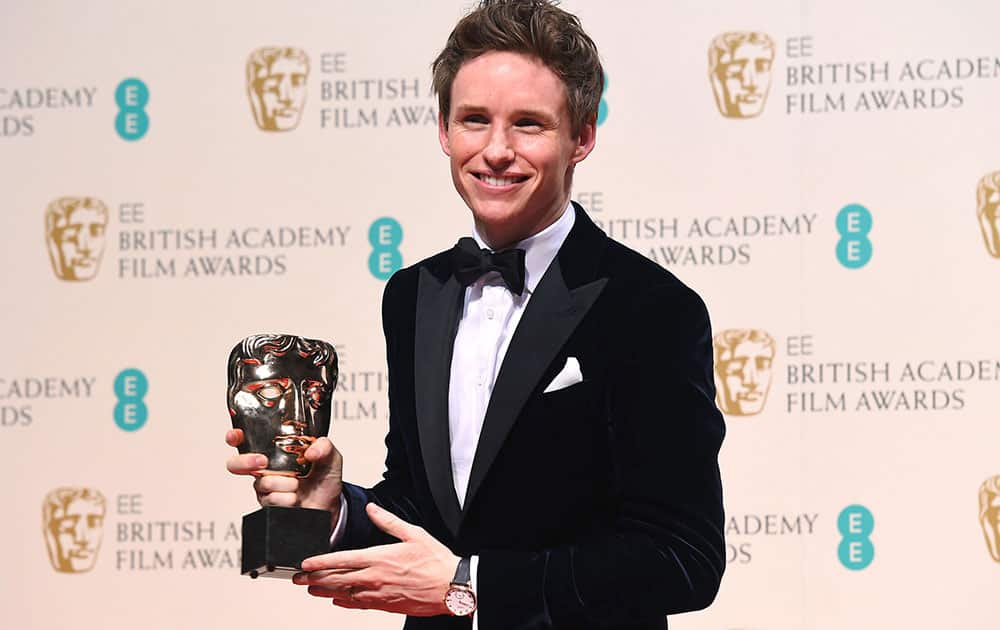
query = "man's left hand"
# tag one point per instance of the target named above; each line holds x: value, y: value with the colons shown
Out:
x: 409, y: 577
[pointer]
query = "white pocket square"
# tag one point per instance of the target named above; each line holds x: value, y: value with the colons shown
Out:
x: 569, y: 375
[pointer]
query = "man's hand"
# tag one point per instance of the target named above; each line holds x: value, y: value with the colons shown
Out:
x: 320, y: 490
x: 409, y: 577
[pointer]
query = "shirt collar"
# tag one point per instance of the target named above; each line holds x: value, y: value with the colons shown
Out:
x: 539, y: 249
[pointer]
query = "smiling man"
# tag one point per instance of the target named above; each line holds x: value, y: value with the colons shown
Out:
x: 553, y: 438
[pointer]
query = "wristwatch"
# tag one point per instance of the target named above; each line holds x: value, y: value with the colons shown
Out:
x: 460, y: 600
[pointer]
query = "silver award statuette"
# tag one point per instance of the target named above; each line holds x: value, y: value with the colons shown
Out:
x: 279, y: 394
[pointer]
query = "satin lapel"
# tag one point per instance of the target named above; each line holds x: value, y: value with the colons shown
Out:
x: 552, y: 314
x: 438, y: 308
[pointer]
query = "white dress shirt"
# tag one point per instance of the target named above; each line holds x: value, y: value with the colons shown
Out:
x: 490, y: 314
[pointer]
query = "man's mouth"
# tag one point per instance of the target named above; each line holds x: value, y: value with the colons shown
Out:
x: 493, y: 180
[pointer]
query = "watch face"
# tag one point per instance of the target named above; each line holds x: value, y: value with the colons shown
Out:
x: 460, y: 601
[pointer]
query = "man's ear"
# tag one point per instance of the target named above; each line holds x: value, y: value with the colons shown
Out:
x: 443, y: 134
x: 585, y: 140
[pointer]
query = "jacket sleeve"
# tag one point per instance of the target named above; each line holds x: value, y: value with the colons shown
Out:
x: 665, y: 551
x: 395, y: 491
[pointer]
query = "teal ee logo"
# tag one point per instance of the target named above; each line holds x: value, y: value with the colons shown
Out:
x: 132, y: 122
x: 385, y: 235
x: 131, y: 387
x: 856, y: 550
x: 854, y: 249
x: 602, y: 109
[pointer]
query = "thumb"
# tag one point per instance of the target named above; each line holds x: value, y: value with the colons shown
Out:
x: 390, y: 523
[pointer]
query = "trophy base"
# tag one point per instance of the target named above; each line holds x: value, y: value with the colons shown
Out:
x: 277, y: 539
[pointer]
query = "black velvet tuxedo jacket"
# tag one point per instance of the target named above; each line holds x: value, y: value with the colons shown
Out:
x: 595, y: 506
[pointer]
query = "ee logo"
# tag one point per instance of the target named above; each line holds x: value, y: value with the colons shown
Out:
x: 385, y: 235
x: 856, y: 550
x: 131, y: 387
x: 132, y: 122
x: 854, y: 249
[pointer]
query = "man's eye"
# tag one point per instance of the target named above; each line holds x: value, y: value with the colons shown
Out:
x: 270, y: 392
x: 475, y: 119
x: 527, y: 122
x: 316, y: 396
x: 735, y: 366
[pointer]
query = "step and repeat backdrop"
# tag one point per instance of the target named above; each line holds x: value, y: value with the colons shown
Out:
x: 826, y: 174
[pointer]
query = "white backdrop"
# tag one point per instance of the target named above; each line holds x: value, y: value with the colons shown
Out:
x: 875, y: 400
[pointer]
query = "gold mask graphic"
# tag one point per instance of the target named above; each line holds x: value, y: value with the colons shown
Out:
x: 74, y: 233
x: 73, y: 525
x: 276, y: 84
x: 988, y: 211
x: 739, y: 68
x: 989, y: 514
x: 743, y: 361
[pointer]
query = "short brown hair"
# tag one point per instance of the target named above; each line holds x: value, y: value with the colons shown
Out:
x: 537, y: 28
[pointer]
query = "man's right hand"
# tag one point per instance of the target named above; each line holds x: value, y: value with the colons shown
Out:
x: 320, y: 490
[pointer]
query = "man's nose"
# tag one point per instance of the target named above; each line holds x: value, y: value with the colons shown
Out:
x: 750, y: 374
x: 748, y: 78
x: 294, y: 409
x: 285, y: 89
x: 499, y: 151
x: 83, y: 241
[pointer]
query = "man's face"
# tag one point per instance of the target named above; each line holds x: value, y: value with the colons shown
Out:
x: 512, y: 149
x: 745, y: 77
x: 282, y: 406
x: 80, y: 243
x: 282, y: 94
x: 991, y: 525
x: 77, y: 532
x: 746, y: 378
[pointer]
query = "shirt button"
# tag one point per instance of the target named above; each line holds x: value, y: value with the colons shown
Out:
x: 489, y: 313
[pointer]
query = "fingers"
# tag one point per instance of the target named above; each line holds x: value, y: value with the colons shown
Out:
x: 319, y: 450
x: 340, y: 560
x: 392, y: 524
x: 277, y: 490
x: 234, y: 437
x: 246, y: 464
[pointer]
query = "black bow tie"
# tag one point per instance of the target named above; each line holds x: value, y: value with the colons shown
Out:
x: 469, y: 263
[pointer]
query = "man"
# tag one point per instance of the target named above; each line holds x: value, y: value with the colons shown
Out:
x: 743, y: 369
x: 74, y: 232
x: 73, y: 522
x: 740, y: 72
x: 552, y: 435
x: 276, y: 85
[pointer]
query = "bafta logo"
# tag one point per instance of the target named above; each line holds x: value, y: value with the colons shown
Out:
x: 739, y: 68
x: 988, y: 209
x: 72, y: 523
x: 743, y: 360
x: 276, y: 84
x: 989, y: 514
x: 74, y: 233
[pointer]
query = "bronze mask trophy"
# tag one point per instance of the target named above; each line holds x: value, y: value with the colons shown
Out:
x: 279, y: 394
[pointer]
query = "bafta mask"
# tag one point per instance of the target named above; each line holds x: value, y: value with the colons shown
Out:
x: 74, y: 234
x: 276, y: 84
x: 989, y: 515
x: 743, y: 360
x: 73, y: 525
x: 740, y: 72
x: 280, y: 391
x: 988, y: 210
